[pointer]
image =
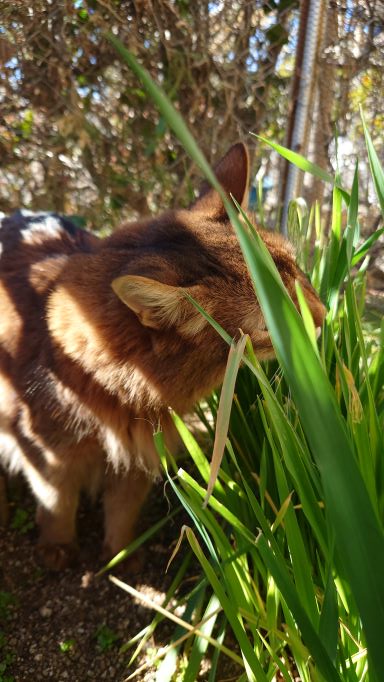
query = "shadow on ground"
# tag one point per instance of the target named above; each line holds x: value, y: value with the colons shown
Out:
x: 69, y: 626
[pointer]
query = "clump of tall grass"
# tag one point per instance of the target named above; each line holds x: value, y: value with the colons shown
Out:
x: 288, y: 531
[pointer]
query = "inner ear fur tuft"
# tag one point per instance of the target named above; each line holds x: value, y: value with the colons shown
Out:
x: 158, y: 305
x: 155, y: 304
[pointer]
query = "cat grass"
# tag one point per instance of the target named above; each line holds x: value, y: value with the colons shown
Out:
x: 290, y: 541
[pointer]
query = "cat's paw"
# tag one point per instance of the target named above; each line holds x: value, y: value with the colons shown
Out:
x: 56, y: 557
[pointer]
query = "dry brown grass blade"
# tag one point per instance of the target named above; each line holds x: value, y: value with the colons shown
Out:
x: 224, y: 412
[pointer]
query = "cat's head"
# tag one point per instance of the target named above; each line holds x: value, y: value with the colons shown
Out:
x: 196, y: 251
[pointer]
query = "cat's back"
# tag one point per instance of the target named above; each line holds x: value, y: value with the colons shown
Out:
x: 28, y: 238
x: 33, y: 250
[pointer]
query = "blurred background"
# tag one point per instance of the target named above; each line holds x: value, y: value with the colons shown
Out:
x: 79, y: 135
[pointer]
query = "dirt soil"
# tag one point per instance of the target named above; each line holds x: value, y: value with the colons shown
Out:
x: 70, y: 626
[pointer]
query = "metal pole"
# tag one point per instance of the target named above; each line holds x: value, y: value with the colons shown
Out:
x: 303, y: 100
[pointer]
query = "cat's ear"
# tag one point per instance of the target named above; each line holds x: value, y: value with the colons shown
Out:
x: 155, y: 304
x: 233, y: 174
x: 158, y: 305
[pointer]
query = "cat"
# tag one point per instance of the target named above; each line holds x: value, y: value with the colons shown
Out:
x: 97, y: 340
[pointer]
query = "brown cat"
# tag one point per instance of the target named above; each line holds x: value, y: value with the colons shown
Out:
x: 97, y: 340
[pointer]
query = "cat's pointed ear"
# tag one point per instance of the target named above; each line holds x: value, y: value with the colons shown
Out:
x: 155, y: 304
x: 233, y: 174
x: 159, y: 305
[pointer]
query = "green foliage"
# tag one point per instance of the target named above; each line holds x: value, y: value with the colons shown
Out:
x: 7, y: 601
x: 105, y: 637
x: 21, y: 521
x: 291, y: 542
x: 6, y: 660
x: 67, y: 645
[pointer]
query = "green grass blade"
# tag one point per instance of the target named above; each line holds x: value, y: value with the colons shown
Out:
x: 215, y: 658
x: 352, y: 231
x: 298, y: 160
x: 309, y: 633
x: 135, y: 544
x: 297, y: 549
x: 364, y: 249
x: 349, y: 507
x: 307, y: 316
x: 200, y: 645
x: 375, y: 165
x: 328, y: 629
x: 166, y: 108
x: 253, y: 667
x: 168, y: 666
x: 193, y: 447
x: 359, y: 538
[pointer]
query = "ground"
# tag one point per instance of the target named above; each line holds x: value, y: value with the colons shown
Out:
x: 70, y: 625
